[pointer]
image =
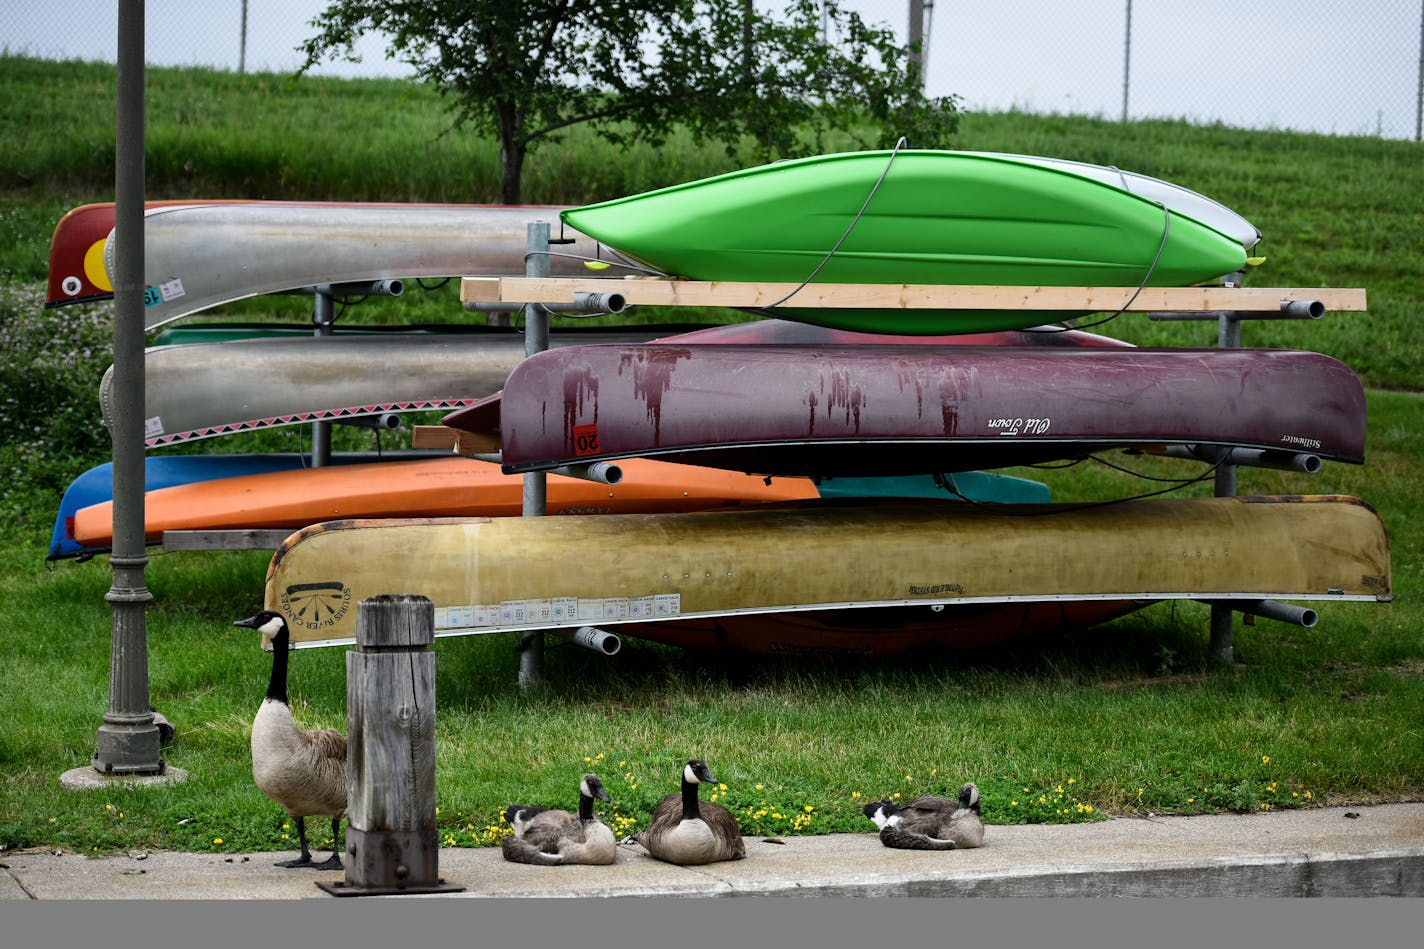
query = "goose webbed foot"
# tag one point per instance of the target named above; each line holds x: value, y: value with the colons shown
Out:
x: 330, y: 863
x: 304, y: 860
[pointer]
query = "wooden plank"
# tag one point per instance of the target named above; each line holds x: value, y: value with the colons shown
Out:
x: 463, y: 443
x: 250, y: 539
x: 432, y: 436
x: 662, y: 292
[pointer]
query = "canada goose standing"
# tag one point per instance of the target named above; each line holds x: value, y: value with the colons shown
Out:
x: 686, y: 831
x: 930, y: 823
x: 545, y: 836
x: 304, y: 770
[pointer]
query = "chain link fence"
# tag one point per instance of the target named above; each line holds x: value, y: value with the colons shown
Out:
x: 1304, y: 65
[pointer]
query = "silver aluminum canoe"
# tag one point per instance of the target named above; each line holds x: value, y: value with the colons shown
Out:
x: 202, y: 255
x: 203, y: 390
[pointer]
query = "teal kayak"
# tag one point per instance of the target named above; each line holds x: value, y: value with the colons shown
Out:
x: 913, y: 217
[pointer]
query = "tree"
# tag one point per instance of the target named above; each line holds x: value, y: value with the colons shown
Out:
x: 528, y: 70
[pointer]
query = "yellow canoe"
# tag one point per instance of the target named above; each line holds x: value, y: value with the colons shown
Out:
x: 489, y: 575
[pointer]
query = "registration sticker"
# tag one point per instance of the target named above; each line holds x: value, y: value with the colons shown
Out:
x: 586, y: 439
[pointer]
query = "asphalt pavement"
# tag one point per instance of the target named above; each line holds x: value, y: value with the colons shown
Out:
x: 1330, y: 851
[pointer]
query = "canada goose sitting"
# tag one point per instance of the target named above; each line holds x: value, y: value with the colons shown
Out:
x: 544, y: 836
x: 304, y: 770
x: 686, y: 831
x: 930, y: 823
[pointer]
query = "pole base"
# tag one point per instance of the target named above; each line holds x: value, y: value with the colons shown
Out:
x: 342, y: 888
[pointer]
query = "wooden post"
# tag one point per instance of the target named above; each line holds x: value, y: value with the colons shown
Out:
x: 392, y: 844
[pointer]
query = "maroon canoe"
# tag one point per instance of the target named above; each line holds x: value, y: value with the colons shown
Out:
x: 882, y: 409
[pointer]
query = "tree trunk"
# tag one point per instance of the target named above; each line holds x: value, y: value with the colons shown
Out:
x: 511, y: 167
x: 511, y: 152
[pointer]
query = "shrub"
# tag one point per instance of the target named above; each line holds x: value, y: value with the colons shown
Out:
x: 51, y: 364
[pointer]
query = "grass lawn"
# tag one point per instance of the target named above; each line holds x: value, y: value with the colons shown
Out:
x: 1129, y: 717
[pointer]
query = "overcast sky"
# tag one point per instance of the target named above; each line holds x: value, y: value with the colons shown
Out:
x: 1319, y: 65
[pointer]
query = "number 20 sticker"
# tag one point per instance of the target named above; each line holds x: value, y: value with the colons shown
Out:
x: 585, y: 440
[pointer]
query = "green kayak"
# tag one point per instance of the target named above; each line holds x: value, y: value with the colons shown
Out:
x: 929, y: 217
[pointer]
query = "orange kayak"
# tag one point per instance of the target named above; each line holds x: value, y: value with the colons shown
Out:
x: 437, y: 487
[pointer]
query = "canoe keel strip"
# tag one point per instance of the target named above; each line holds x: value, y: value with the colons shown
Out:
x: 497, y: 575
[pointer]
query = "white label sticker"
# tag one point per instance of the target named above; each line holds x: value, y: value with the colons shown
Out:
x: 152, y: 427
x: 538, y: 611
x: 590, y: 609
x: 642, y: 607
x: 171, y: 290
x: 455, y: 617
x: 669, y: 604
x: 615, y: 607
x: 563, y: 608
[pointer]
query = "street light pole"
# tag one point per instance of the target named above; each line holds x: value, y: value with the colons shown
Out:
x: 128, y: 740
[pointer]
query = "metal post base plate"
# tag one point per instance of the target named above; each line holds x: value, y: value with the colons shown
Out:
x: 389, y: 862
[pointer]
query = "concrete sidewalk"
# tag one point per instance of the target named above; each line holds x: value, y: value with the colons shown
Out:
x: 1333, y: 851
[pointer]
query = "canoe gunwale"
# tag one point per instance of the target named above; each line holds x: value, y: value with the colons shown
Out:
x: 1147, y: 597
x: 688, y: 454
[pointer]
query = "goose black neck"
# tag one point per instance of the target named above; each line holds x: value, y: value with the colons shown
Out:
x: 277, y: 687
x: 585, y: 807
x: 690, y: 809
